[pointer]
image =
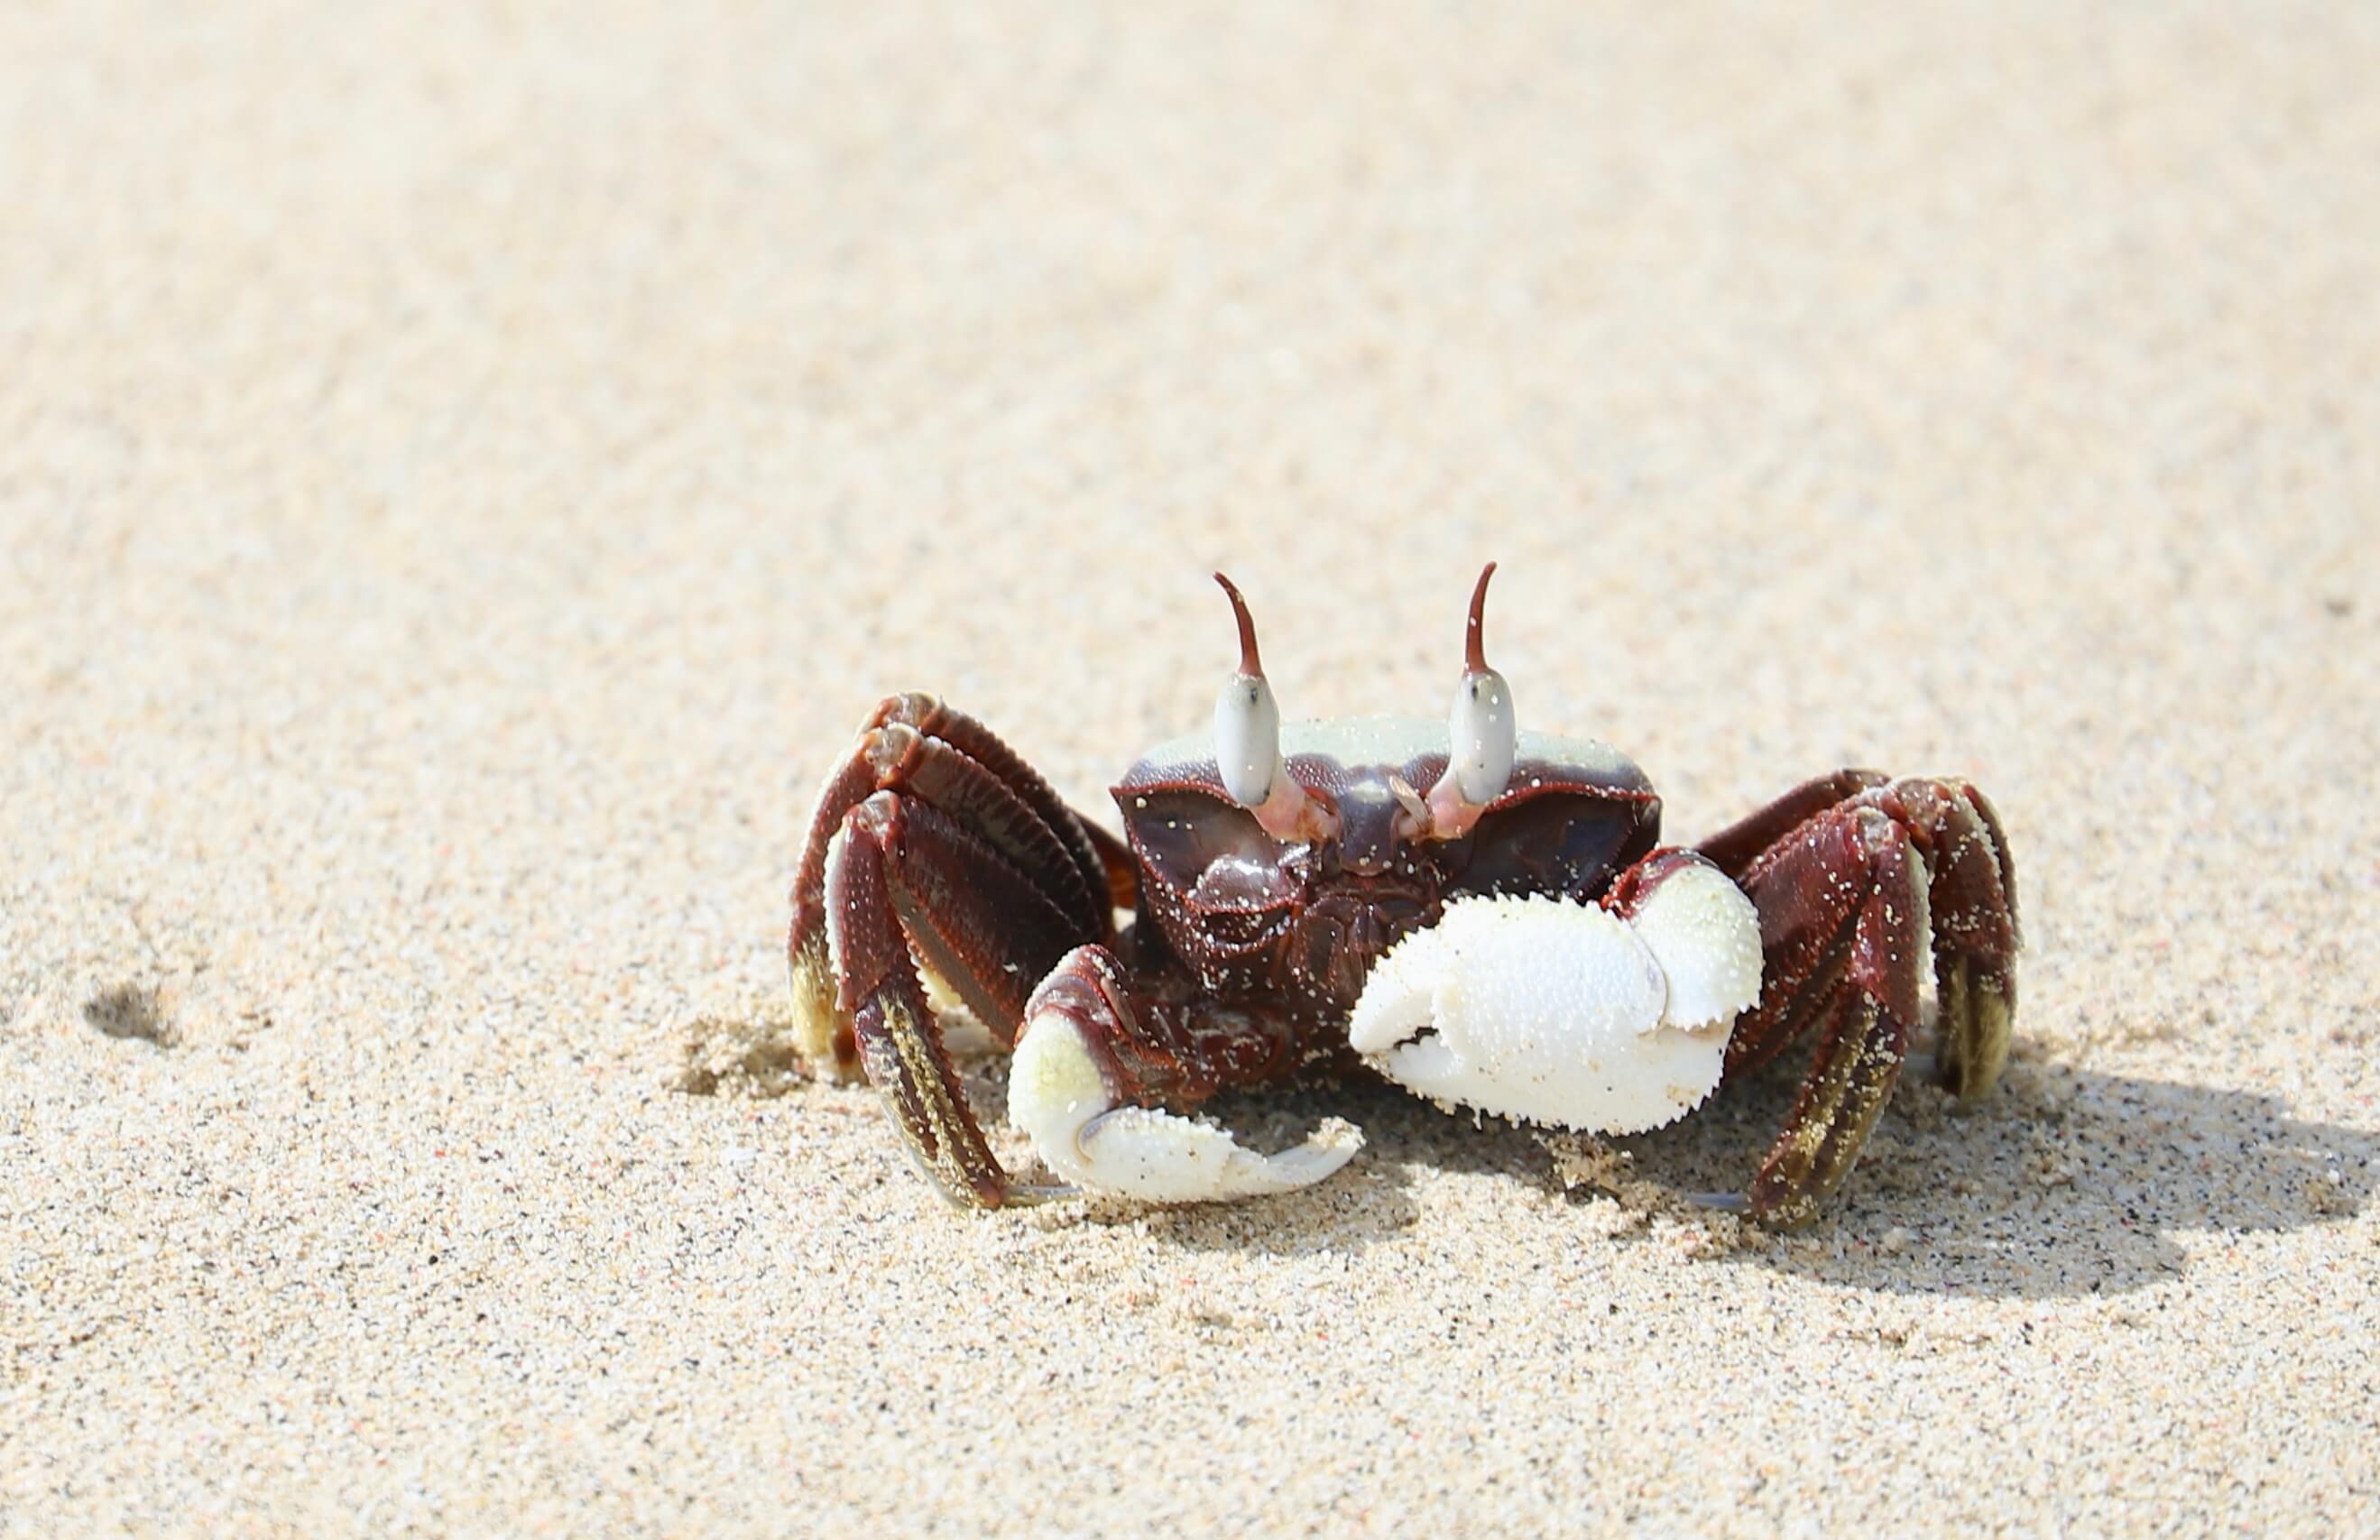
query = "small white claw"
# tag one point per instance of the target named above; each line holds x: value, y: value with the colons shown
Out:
x: 1055, y: 1094
x: 1564, y: 1013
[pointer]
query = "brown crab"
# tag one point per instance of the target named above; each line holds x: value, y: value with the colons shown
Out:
x: 1271, y: 867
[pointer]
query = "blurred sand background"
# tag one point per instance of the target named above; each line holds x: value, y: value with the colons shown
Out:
x: 463, y: 472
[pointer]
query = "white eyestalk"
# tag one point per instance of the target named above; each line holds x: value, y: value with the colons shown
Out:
x: 1247, y: 744
x: 1247, y: 722
x: 1483, y: 734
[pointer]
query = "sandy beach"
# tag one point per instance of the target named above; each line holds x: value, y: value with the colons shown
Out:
x: 464, y: 475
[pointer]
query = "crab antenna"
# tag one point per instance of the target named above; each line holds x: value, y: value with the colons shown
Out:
x: 1249, y: 663
x: 1475, y: 655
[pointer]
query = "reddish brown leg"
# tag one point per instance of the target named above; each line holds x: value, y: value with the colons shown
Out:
x: 914, y: 746
x: 1975, y: 934
x: 898, y: 1039
x: 1846, y: 890
x: 922, y: 850
x: 1843, y: 906
x: 1734, y: 848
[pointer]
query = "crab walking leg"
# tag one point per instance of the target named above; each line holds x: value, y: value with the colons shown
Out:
x: 900, y: 1044
x: 1843, y: 919
x: 1957, y: 835
x: 1858, y: 1063
x: 1090, y: 1063
x: 916, y: 745
x: 939, y: 775
x: 1975, y: 935
x: 1736, y: 847
x: 936, y: 718
x: 822, y: 1033
x: 904, y: 878
x: 975, y: 921
x: 1808, y: 890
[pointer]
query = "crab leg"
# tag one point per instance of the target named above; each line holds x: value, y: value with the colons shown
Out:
x: 935, y: 719
x: 1734, y: 848
x: 1975, y: 934
x: 1809, y: 890
x: 821, y: 1033
x: 898, y: 1039
x: 1849, y: 893
x: 1851, y: 896
x: 976, y: 921
x: 916, y: 745
x: 906, y: 882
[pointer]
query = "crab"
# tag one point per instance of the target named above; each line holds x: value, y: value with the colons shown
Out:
x: 1484, y: 914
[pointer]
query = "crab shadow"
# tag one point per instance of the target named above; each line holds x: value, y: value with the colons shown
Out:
x: 1337, y: 1216
x: 2067, y: 1182
x: 1371, y: 1201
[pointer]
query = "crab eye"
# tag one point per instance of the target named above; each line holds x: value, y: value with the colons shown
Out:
x: 1247, y: 722
x: 1482, y: 729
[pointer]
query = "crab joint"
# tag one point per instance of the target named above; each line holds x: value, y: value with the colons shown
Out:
x: 1247, y: 744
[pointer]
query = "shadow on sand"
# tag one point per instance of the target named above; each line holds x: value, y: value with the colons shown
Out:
x: 2067, y: 1182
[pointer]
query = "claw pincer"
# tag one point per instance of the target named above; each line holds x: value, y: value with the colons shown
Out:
x: 1576, y: 1015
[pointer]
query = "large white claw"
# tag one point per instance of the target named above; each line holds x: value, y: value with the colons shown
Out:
x: 1560, y: 1012
x: 1055, y: 1094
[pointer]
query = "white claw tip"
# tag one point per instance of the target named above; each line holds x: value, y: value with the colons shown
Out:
x: 1706, y: 935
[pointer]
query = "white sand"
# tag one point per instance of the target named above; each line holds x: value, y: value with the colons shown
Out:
x: 463, y: 475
